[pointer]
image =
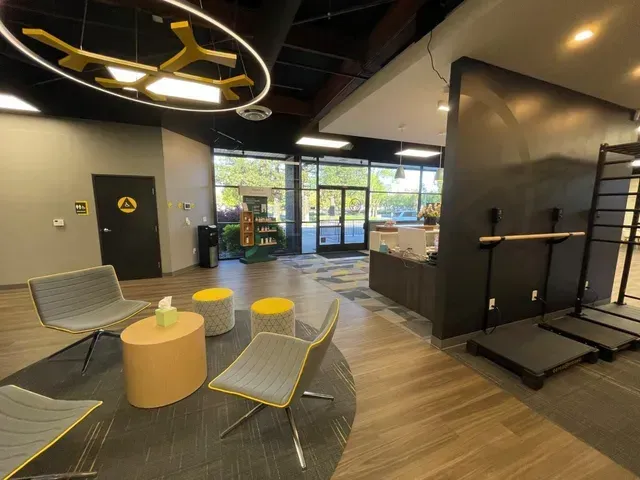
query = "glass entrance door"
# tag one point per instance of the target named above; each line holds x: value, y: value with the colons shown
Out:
x: 341, y: 219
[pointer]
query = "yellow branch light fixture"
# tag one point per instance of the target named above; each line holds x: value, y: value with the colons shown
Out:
x: 156, y: 83
x: 192, y: 52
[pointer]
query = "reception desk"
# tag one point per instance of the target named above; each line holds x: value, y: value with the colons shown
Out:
x: 407, y: 282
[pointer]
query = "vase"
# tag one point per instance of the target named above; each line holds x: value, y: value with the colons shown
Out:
x: 430, y: 220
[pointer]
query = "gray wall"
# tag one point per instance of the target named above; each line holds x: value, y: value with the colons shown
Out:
x: 46, y: 165
x: 187, y: 166
x: 525, y: 146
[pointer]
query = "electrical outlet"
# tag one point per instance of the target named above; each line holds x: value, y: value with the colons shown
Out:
x: 194, y: 251
x: 534, y: 295
x: 586, y: 284
x: 492, y: 303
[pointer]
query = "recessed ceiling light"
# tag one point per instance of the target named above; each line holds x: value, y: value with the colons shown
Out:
x: 442, y: 106
x: 11, y: 102
x: 172, y: 87
x: 635, y: 163
x: 415, y: 152
x: 322, y: 142
x: 125, y: 75
x: 583, y: 35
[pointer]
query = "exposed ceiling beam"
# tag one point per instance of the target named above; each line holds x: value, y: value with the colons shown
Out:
x: 276, y: 20
x: 337, y: 56
x: 288, y: 105
x: 392, y: 33
x: 344, y: 11
x: 322, y: 70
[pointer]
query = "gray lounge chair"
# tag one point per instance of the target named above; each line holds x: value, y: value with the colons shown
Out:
x: 31, y: 423
x: 85, y: 301
x: 274, y: 370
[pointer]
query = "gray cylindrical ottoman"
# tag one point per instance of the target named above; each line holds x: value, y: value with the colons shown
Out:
x: 216, y: 307
x: 275, y: 315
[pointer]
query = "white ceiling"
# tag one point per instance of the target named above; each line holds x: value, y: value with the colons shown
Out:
x: 532, y: 37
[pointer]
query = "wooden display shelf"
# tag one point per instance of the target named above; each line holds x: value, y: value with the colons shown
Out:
x: 267, y: 231
x: 266, y: 244
x: 247, y: 229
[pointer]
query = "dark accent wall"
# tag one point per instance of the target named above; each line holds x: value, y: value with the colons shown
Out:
x: 525, y: 146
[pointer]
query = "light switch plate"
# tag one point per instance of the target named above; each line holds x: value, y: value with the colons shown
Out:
x: 58, y: 222
x: 204, y: 219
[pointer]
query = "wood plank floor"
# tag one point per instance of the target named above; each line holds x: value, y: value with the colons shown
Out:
x: 420, y: 414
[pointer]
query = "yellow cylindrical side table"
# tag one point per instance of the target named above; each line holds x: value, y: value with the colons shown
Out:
x: 163, y: 364
x: 275, y: 315
x: 216, y: 306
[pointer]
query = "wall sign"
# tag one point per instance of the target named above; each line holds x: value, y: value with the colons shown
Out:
x: 255, y: 191
x: 256, y: 205
x: 127, y: 204
x: 82, y: 207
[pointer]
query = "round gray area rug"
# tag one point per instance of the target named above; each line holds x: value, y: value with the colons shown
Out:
x: 182, y: 440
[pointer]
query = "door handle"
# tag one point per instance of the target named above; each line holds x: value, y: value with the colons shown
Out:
x: 106, y: 230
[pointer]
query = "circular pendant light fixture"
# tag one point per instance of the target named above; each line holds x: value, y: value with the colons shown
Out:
x: 185, y: 7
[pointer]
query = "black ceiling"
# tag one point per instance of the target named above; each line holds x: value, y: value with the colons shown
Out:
x: 318, y: 59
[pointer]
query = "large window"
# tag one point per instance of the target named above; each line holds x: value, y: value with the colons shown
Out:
x: 309, y: 203
x: 302, y: 201
x: 232, y: 170
x: 391, y: 198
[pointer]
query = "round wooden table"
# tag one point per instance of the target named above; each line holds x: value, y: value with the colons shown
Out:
x: 163, y: 364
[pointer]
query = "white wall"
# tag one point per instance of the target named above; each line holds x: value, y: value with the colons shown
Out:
x: 187, y: 165
x: 46, y: 164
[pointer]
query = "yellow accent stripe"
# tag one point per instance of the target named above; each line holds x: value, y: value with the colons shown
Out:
x: 212, y: 294
x: 46, y: 447
x: 33, y: 302
x: 272, y: 306
x: 304, y: 362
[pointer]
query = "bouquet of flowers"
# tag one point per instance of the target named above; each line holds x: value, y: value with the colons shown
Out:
x: 431, y: 210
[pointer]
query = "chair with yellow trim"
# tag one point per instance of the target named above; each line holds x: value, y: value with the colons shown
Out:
x: 84, y: 301
x: 31, y: 423
x: 274, y: 370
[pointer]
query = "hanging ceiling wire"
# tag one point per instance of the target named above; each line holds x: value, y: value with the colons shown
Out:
x: 244, y: 68
x: 84, y: 22
x: 213, y: 44
x: 135, y: 33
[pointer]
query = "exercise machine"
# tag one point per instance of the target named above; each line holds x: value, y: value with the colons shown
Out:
x: 532, y: 353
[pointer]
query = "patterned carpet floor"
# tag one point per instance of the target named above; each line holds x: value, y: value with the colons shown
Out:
x: 182, y: 441
x: 350, y: 278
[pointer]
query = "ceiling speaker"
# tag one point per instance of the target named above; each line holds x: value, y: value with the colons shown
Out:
x: 255, y: 113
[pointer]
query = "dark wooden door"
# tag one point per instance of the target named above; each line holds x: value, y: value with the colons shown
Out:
x: 128, y: 225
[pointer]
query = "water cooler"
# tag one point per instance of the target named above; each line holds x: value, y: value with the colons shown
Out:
x: 208, y: 245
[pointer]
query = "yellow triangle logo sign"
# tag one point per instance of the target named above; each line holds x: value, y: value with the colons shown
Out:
x: 127, y: 204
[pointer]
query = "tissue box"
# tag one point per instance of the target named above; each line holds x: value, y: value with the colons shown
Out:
x: 166, y: 317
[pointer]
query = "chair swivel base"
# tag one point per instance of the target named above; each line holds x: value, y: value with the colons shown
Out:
x: 292, y: 423
x: 94, y: 339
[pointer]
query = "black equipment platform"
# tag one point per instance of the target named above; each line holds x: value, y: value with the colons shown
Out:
x: 611, y: 321
x: 607, y: 340
x: 623, y: 311
x: 531, y: 352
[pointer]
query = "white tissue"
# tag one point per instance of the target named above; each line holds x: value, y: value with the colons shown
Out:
x: 165, y: 303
